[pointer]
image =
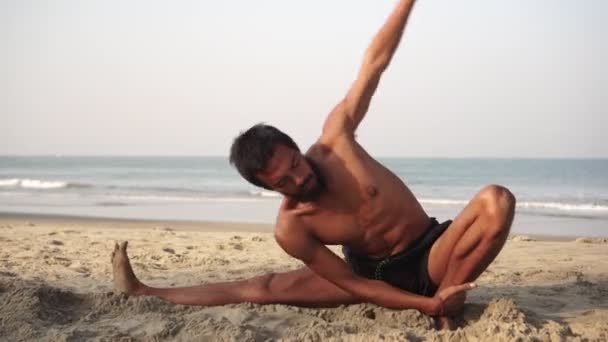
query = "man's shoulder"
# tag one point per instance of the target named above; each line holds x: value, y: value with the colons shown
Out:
x: 288, y: 223
x: 292, y: 224
x: 294, y: 236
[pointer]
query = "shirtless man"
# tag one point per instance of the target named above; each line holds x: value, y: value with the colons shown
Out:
x: 396, y: 256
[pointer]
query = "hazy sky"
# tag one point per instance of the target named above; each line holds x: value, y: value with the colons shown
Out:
x: 471, y: 78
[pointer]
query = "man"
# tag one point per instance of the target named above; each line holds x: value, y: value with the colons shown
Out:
x: 336, y: 194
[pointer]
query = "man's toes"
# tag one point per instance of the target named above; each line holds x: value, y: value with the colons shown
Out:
x: 114, y: 251
x: 444, y: 323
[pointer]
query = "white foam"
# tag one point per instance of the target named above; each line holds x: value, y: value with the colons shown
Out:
x: 264, y: 193
x: 441, y: 201
x: 13, y: 182
x: 563, y: 206
x: 526, y: 205
x: 167, y: 198
x: 38, y: 184
x: 32, y: 183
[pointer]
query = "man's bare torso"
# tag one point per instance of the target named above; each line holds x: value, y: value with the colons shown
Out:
x: 364, y: 205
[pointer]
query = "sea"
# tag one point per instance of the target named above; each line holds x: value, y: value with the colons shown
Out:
x: 560, y: 197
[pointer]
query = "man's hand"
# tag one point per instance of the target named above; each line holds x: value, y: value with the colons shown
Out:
x: 450, y: 300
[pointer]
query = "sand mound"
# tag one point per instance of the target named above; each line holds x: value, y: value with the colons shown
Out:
x: 35, y: 311
x: 29, y: 308
x: 591, y: 240
x: 522, y: 238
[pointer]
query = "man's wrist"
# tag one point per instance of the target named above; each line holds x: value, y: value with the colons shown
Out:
x: 434, y: 307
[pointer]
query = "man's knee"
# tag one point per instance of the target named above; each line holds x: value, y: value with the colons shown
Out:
x: 498, y: 205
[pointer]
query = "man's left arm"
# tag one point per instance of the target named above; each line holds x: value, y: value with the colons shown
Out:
x: 347, y: 115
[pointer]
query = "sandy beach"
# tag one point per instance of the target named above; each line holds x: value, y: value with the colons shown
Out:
x: 56, y: 284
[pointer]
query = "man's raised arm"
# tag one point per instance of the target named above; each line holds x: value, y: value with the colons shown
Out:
x: 349, y: 112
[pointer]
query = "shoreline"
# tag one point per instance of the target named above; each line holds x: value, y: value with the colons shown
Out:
x: 121, y: 223
x: 196, y: 225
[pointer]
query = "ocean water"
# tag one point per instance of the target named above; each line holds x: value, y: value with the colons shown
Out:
x: 555, y: 196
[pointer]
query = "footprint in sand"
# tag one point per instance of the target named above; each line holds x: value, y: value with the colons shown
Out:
x: 59, y: 306
x: 257, y: 238
x: 158, y: 266
x: 237, y: 246
x: 56, y: 242
x: 61, y: 261
x: 140, y: 265
x: 83, y: 270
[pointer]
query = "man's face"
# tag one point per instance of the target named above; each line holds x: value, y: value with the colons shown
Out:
x: 292, y: 174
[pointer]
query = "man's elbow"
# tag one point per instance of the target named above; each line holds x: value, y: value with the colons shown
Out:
x: 377, y: 62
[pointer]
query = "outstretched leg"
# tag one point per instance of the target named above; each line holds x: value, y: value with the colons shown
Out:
x: 301, y: 287
x: 472, y: 241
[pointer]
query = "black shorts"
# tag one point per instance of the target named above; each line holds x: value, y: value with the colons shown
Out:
x: 407, y: 270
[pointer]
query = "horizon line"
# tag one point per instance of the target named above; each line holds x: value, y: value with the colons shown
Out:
x: 226, y: 156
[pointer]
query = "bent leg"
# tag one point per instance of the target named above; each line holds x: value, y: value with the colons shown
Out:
x: 301, y: 287
x: 474, y: 238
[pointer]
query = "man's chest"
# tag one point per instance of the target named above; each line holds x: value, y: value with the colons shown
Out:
x: 362, y: 200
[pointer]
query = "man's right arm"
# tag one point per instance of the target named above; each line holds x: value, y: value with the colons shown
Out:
x: 301, y: 245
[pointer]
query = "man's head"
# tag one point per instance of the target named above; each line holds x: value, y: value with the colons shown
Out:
x: 269, y: 158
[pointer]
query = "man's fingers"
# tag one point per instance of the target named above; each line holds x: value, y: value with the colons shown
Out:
x: 466, y: 287
x: 452, y: 290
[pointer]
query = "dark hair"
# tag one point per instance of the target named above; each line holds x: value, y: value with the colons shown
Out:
x: 252, y: 149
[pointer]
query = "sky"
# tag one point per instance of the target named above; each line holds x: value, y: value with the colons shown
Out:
x: 472, y: 78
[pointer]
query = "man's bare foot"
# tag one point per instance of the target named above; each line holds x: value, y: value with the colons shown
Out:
x: 445, y: 323
x: 456, y: 309
x: 124, y: 278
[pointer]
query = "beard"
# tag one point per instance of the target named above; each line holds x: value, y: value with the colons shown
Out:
x: 309, y: 195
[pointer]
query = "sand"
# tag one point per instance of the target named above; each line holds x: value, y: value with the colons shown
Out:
x: 56, y: 285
